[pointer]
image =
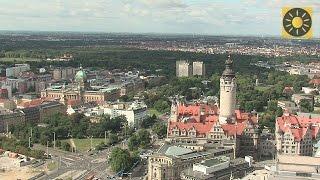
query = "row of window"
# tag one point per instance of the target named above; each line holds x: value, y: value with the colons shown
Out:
x: 184, y: 133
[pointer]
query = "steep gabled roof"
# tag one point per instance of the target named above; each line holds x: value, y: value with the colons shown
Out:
x: 298, y: 126
x: 201, y: 128
x: 233, y: 129
x: 203, y: 118
x: 315, y: 81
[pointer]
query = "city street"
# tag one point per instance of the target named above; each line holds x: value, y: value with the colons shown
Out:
x: 95, y: 164
x: 85, y: 164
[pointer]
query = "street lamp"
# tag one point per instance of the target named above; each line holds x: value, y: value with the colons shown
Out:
x: 124, y: 125
x: 91, y: 143
x: 125, y: 133
x: 54, y: 140
x: 105, y: 137
x: 47, y: 149
x: 29, y: 142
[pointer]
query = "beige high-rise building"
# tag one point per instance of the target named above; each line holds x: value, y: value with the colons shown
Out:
x: 198, y: 68
x: 228, y: 88
x: 183, y: 69
x: 63, y: 73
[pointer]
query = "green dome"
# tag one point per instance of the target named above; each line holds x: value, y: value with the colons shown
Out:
x: 81, y: 76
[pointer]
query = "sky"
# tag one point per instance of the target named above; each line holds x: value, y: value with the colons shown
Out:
x: 212, y: 17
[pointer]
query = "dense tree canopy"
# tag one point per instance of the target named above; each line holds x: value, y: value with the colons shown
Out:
x: 105, y: 54
x: 305, y: 105
x: 149, y: 121
x: 75, y: 126
x: 120, y: 160
x: 160, y: 129
x: 139, y: 139
x: 20, y: 146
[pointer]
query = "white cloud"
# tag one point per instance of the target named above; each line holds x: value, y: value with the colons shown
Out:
x: 163, y: 4
x: 176, y: 16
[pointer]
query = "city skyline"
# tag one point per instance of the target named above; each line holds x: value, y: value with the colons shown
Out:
x: 234, y: 17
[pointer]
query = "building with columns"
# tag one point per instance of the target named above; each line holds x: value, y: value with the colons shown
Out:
x: 80, y: 90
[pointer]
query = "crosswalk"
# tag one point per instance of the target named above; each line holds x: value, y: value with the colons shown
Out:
x: 69, y: 159
x: 74, y: 174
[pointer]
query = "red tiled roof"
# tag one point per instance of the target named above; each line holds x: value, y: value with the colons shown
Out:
x: 72, y: 102
x: 32, y: 103
x: 191, y: 116
x: 209, y: 118
x: 298, y: 126
x: 243, y: 116
x: 198, y: 112
x: 50, y: 98
x: 100, y: 102
x: 233, y: 129
x: 189, y: 110
x: 195, y: 110
x: 314, y: 81
x: 287, y: 89
x: 3, y: 100
x: 3, y: 90
x: 201, y: 128
x: 35, y: 102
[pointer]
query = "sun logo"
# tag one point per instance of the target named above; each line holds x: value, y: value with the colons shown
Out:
x: 297, y: 23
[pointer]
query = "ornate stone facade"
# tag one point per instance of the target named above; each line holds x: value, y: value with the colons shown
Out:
x: 296, y: 135
x: 80, y: 90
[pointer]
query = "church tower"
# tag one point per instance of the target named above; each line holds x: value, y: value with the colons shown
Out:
x: 174, y: 110
x: 228, y: 88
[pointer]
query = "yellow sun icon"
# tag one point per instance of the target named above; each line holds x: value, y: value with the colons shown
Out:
x: 296, y: 22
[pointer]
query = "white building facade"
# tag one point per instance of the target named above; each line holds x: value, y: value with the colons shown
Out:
x: 15, y: 71
x: 134, y: 112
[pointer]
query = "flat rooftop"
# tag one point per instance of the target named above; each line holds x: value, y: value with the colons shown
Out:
x: 177, y: 151
x: 212, y: 162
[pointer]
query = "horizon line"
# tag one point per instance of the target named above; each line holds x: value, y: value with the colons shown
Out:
x: 156, y: 33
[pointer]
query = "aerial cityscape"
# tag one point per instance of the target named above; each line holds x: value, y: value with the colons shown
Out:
x: 159, y: 90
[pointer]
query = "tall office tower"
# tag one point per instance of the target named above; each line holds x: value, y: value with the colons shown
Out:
x: 198, y: 68
x: 183, y: 69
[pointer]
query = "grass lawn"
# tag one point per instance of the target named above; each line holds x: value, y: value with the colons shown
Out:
x: 262, y: 88
x: 18, y: 59
x: 83, y: 145
x: 154, y: 111
x: 52, y: 165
